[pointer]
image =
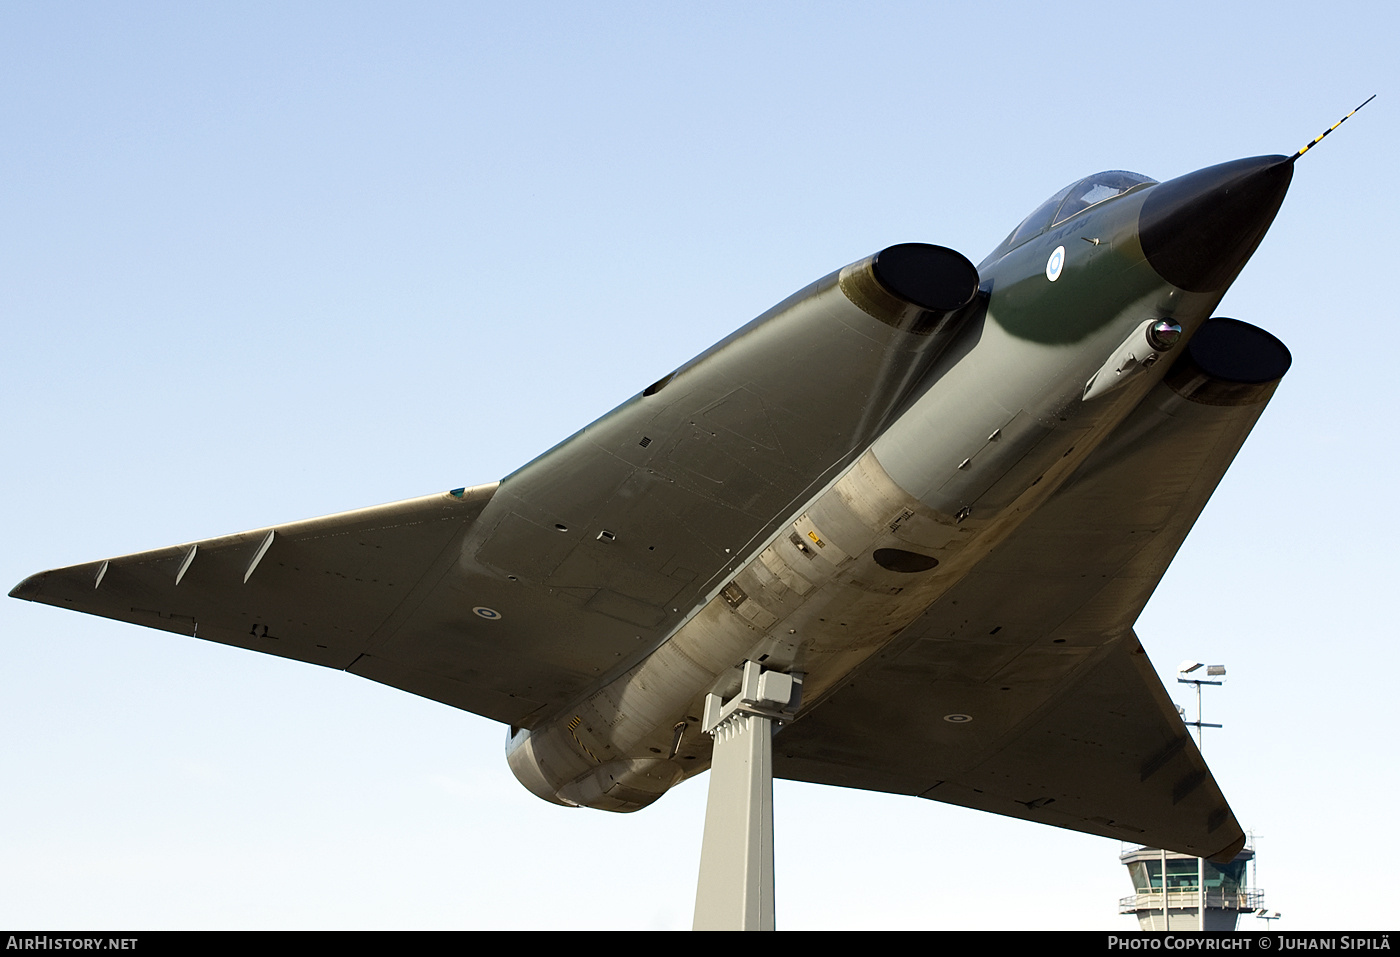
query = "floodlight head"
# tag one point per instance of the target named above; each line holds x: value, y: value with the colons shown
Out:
x: 1188, y: 666
x: 1213, y: 670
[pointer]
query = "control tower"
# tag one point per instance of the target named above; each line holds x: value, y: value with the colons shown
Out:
x: 1192, y: 886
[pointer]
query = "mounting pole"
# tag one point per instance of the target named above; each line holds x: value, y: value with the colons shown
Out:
x: 735, y: 891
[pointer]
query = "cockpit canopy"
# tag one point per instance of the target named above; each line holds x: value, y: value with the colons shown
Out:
x: 1074, y: 198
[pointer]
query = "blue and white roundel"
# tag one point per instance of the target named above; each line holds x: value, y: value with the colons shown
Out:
x: 1056, y: 263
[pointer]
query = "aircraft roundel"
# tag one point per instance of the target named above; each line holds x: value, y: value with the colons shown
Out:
x: 490, y: 614
x: 1055, y: 264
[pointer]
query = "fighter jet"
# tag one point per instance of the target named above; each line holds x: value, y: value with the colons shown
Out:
x: 938, y: 494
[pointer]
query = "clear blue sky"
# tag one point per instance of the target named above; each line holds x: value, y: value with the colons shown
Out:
x: 260, y: 262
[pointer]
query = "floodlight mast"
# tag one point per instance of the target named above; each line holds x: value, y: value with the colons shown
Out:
x: 1188, y: 667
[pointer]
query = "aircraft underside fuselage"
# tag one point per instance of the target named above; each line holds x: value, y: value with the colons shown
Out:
x: 991, y: 424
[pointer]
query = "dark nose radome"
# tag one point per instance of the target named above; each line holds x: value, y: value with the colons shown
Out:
x: 1198, y: 230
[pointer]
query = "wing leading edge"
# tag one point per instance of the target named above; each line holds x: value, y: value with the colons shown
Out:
x: 1069, y: 724
x: 324, y: 590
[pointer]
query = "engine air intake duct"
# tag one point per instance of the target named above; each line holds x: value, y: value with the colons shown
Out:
x: 914, y: 287
x: 1229, y: 362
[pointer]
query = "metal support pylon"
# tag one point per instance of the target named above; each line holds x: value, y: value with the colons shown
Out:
x: 735, y: 891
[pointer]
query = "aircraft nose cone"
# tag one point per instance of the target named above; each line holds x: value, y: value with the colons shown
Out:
x: 1198, y: 230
